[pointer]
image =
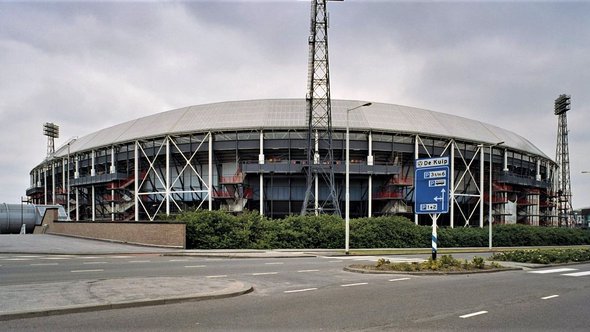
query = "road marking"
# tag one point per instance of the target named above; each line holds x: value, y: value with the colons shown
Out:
x: 219, y: 276
x: 83, y: 271
x: 179, y: 260
x: 304, y: 271
x: 564, y: 269
x: 264, y: 273
x: 213, y: 259
x: 138, y: 261
x: 399, y: 279
x: 357, y: 284
x: 121, y: 256
x: 362, y: 259
x: 17, y: 259
x: 90, y: 263
x: 89, y: 257
x: 275, y: 263
x: 300, y: 290
x: 577, y: 274
x: 55, y: 258
x: 43, y: 264
x: 335, y: 262
x: 195, y: 266
x: 549, y: 297
x: 474, y: 314
x: 28, y: 256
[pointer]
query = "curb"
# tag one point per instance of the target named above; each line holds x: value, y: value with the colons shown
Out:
x: 428, y: 273
x: 121, y: 305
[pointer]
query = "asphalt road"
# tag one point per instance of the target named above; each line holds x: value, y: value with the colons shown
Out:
x: 316, y: 294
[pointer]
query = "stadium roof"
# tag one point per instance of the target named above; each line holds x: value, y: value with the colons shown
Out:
x: 291, y: 113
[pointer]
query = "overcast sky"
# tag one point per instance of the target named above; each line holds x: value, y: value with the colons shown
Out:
x: 86, y: 66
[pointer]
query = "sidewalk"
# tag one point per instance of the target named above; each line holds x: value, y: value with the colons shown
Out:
x: 36, y: 300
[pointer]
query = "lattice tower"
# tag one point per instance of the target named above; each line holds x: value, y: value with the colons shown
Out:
x: 320, y: 154
x: 563, y: 184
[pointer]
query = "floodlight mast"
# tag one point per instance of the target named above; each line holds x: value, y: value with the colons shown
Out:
x: 50, y: 130
x: 563, y: 184
x: 320, y: 152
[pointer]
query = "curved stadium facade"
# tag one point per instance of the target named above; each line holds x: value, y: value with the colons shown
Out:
x: 251, y: 155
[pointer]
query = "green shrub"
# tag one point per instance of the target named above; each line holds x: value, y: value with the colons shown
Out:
x: 478, y: 262
x: 221, y: 230
x: 543, y: 256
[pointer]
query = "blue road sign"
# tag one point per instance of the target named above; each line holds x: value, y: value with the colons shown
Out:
x: 431, y: 185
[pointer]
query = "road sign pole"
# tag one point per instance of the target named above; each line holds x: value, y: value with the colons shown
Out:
x: 434, y: 235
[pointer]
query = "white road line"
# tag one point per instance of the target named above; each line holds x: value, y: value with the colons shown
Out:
x: 83, y: 271
x: 28, y: 256
x: 362, y: 259
x: 357, y: 284
x: 120, y: 256
x: 190, y: 266
x: 89, y: 257
x: 43, y: 264
x: 264, y: 273
x: 179, y: 260
x: 55, y: 258
x: 399, y: 279
x: 549, y: 297
x: 564, y: 269
x: 335, y: 262
x: 138, y: 261
x: 474, y: 314
x: 274, y: 263
x: 300, y: 290
x: 90, y: 263
x: 17, y: 259
x: 304, y: 271
x: 219, y: 276
x: 577, y: 274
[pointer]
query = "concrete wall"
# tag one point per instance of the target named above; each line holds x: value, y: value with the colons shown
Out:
x: 161, y: 234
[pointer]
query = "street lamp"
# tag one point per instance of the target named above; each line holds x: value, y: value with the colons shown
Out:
x: 490, y: 194
x: 347, y: 195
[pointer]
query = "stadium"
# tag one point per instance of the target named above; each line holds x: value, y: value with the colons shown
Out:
x: 250, y: 155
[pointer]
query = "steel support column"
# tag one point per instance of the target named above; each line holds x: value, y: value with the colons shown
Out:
x: 210, y: 184
x: 452, y: 186
x: 481, y: 191
x: 136, y: 182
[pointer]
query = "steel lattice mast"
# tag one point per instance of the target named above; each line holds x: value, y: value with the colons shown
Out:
x: 564, y: 191
x: 320, y: 153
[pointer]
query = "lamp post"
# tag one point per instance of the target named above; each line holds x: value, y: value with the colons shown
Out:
x: 490, y: 221
x: 347, y: 190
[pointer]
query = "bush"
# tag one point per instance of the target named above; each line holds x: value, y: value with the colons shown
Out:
x: 543, y: 256
x: 388, y: 232
x: 249, y: 230
x: 446, y: 263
